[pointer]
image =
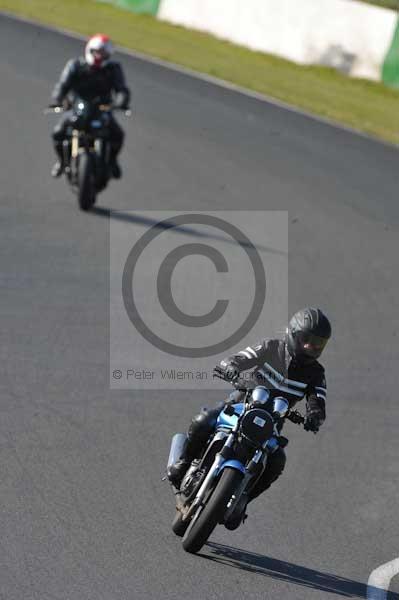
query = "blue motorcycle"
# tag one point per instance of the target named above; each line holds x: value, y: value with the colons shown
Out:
x: 235, y: 457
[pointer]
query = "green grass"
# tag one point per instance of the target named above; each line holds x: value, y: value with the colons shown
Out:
x: 367, y: 106
x: 393, y: 4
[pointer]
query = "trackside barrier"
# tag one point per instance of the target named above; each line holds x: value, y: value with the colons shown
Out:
x: 354, y: 37
x: 138, y: 6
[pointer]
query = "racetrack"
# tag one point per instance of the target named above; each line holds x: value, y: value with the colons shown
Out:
x: 83, y: 511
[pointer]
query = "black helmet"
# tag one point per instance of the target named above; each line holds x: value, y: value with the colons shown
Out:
x: 308, y: 333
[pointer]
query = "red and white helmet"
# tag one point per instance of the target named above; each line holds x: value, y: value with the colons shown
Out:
x: 98, y: 50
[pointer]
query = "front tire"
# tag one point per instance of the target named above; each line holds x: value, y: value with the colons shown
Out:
x: 102, y: 173
x: 86, y: 192
x: 203, y: 524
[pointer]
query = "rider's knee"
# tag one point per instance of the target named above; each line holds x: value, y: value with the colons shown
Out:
x: 277, y: 462
x: 203, y: 424
x: 117, y: 132
x: 274, y: 468
x: 58, y: 135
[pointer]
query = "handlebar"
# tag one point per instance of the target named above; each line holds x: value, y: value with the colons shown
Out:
x: 102, y: 107
x: 293, y: 415
x: 53, y: 109
x: 108, y: 107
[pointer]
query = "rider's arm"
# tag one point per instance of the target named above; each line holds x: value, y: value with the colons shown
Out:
x: 64, y: 84
x: 316, y: 397
x: 248, y: 358
x: 120, y: 87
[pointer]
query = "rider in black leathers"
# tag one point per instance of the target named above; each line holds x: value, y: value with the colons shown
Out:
x: 288, y: 368
x: 94, y: 77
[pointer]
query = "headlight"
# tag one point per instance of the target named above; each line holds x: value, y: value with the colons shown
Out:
x: 257, y: 426
x: 280, y: 406
x: 260, y: 395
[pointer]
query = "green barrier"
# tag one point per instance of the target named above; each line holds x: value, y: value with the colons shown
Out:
x: 138, y: 6
x: 390, y: 68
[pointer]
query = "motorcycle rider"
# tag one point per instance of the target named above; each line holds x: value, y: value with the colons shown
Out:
x: 95, y: 76
x: 286, y: 367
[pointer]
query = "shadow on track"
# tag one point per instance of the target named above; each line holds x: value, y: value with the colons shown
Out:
x: 130, y: 217
x: 290, y: 573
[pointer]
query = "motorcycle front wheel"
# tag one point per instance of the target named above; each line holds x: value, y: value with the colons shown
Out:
x: 205, y: 520
x: 86, y: 191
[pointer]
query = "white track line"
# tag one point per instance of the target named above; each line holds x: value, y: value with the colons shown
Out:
x: 380, y: 579
x: 209, y: 79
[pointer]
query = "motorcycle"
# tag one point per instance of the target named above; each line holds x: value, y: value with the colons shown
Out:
x: 235, y: 457
x: 86, y: 149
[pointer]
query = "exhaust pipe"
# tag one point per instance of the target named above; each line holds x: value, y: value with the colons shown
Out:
x: 176, y: 448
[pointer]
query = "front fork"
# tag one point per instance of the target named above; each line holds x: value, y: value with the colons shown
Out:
x: 254, y: 470
x: 73, y: 148
x: 214, y: 471
x: 71, y: 153
x: 251, y: 470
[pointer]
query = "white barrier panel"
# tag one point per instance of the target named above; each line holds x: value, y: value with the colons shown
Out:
x: 345, y: 34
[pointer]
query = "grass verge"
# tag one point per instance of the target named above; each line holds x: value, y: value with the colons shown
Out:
x: 392, y: 4
x: 367, y: 106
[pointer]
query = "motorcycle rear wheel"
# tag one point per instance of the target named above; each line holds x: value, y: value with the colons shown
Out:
x: 205, y: 520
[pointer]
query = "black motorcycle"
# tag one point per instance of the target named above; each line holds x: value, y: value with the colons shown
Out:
x: 86, y: 149
x: 213, y: 489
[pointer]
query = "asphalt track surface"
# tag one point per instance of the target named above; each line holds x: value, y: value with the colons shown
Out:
x: 83, y: 511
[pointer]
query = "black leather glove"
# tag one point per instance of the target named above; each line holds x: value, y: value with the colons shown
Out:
x: 121, y: 102
x: 231, y: 372
x: 228, y: 372
x: 314, y: 419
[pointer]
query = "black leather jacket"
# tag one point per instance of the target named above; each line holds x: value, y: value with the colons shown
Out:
x: 80, y: 80
x: 272, y: 367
